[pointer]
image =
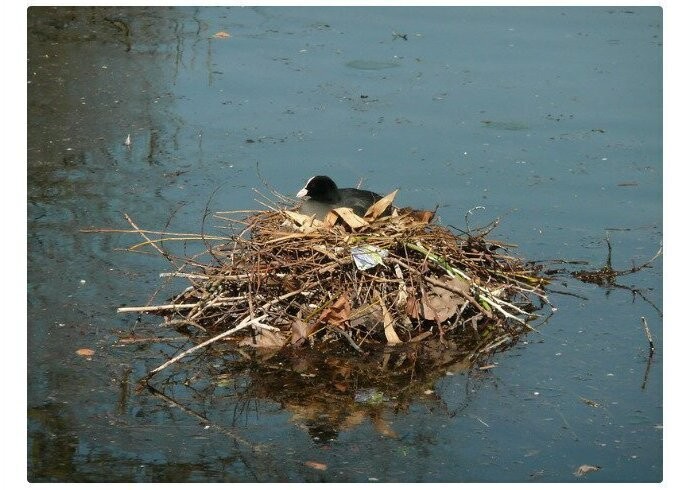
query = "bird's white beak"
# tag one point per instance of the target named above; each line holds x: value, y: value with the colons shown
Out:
x: 302, y: 193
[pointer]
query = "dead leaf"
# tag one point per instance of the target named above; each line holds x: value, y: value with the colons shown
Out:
x: 305, y: 223
x: 440, y: 304
x: 420, y: 215
x: 423, y: 216
x: 300, y: 331
x: 331, y: 219
x: 388, y: 322
x: 338, y: 313
x: 585, y: 468
x: 380, y: 206
x: 85, y: 352
x: 316, y: 465
x: 591, y: 403
x: 457, y: 283
x: 265, y: 339
x: 349, y: 217
x: 342, y: 387
x: 328, y: 253
x: 412, y: 306
x: 439, y: 308
x: 402, y: 297
x: 221, y: 35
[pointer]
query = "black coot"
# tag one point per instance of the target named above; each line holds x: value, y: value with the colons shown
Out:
x: 323, y: 195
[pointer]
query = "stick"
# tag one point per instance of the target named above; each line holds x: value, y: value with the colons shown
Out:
x: 137, y: 340
x: 640, y: 267
x: 181, y: 306
x: 649, y: 335
x: 141, y: 232
x: 185, y: 275
x: 172, y: 239
x: 203, y: 277
x: 227, y: 431
x: 505, y: 313
x: 182, y: 321
x: 349, y: 339
x: 129, y: 309
x: 243, y: 324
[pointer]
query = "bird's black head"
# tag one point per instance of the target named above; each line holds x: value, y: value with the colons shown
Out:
x: 320, y: 188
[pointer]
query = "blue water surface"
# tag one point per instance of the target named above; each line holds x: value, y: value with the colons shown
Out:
x: 549, y: 119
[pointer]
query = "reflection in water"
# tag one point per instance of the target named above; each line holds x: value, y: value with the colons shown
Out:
x: 326, y: 392
x: 52, y: 443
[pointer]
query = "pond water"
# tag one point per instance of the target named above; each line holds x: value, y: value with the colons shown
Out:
x: 547, y: 118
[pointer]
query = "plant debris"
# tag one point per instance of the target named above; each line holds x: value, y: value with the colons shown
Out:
x: 606, y: 276
x: 287, y: 279
x: 584, y: 469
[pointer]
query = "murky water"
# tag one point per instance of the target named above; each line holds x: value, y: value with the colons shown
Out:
x: 549, y: 118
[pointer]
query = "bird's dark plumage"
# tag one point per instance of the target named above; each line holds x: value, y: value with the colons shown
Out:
x: 323, y: 195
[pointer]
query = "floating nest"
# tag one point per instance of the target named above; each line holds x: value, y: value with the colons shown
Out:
x: 361, y: 283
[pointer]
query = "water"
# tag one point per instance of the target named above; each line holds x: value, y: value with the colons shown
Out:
x: 549, y: 118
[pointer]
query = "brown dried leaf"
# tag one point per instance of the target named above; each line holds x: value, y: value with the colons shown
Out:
x: 402, y: 297
x: 456, y: 283
x: 420, y: 215
x: 330, y: 219
x: 585, y: 468
x: 326, y: 251
x: 423, y: 216
x: 304, y: 222
x: 85, y: 352
x: 300, y: 331
x: 338, y: 313
x: 591, y: 403
x: 412, y: 307
x: 316, y: 465
x: 441, y: 304
x: 341, y: 387
x: 380, y: 206
x: 349, y: 217
x: 265, y: 339
x: 388, y: 322
x: 439, y: 308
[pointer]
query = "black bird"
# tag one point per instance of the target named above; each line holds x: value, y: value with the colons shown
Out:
x: 323, y: 195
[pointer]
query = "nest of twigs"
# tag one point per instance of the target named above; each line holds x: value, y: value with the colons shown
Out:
x: 289, y: 280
